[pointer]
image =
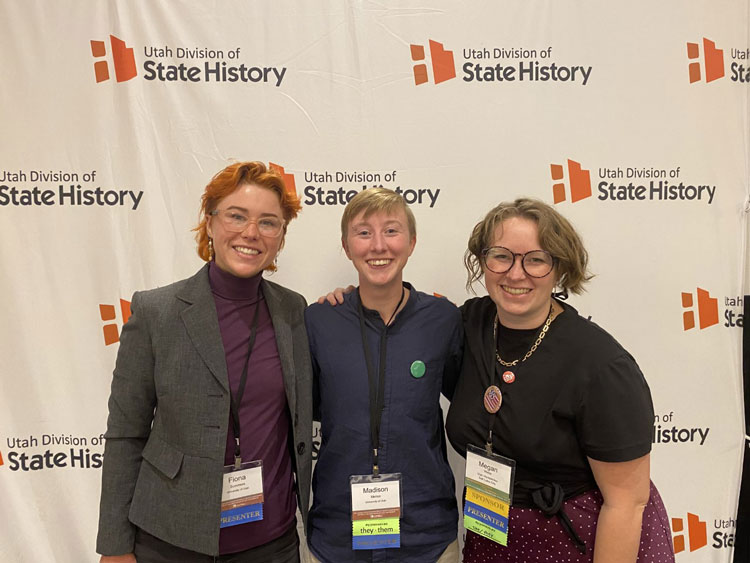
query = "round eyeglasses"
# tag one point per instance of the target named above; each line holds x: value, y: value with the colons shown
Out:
x: 536, y: 263
x: 235, y: 221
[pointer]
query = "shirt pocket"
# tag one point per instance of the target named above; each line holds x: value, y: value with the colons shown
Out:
x: 417, y: 388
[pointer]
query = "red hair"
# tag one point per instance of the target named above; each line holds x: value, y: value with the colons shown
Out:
x: 228, y: 180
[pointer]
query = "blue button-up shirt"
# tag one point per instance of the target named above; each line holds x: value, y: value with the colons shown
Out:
x: 412, y: 440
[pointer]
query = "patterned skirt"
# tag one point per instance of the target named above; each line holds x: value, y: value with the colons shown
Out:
x: 534, y: 537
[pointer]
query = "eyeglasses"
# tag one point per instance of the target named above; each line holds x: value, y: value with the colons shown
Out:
x: 235, y: 221
x: 536, y: 263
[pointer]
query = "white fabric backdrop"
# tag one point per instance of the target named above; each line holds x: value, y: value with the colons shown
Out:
x: 341, y: 98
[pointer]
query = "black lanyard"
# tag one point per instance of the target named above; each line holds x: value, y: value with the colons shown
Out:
x: 491, y: 422
x: 376, y: 382
x: 236, y: 400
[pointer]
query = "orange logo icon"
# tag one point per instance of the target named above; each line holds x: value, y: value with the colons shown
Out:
x: 578, y: 178
x: 1, y: 458
x: 696, y: 533
x: 713, y: 61
x: 123, y: 60
x: 708, y: 310
x: 111, y: 330
x: 289, y: 182
x: 443, y: 66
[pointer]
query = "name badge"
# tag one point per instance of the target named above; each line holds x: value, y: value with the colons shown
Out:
x: 242, y: 494
x: 489, y: 490
x: 376, y: 511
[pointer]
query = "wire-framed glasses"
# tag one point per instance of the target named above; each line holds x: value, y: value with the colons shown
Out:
x: 235, y: 221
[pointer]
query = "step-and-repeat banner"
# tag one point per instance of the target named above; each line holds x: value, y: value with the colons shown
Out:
x: 632, y: 119
x: 742, y: 538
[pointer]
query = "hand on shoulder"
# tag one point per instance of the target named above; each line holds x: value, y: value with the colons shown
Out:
x: 336, y: 297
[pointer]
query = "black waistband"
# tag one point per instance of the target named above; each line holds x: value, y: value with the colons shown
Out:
x: 549, y: 498
x: 524, y: 489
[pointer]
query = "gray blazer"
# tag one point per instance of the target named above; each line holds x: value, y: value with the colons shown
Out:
x: 169, y: 413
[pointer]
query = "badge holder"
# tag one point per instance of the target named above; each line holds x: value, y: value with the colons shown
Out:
x: 376, y: 511
x: 489, y: 491
x: 242, y: 494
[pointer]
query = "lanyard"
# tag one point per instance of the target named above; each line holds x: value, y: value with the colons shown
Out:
x: 376, y: 381
x: 518, y: 363
x: 236, y: 399
x: 495, y: 372
x: 491, y: 422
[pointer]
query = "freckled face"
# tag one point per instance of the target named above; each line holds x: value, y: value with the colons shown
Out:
x: 379, y: 246
x: 521, y: 300
x: 246, y: 253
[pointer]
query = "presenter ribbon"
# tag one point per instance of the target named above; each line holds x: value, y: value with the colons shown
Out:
x: 489, y: 490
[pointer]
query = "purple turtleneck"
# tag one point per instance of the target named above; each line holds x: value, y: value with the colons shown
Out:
x: 264, y: 415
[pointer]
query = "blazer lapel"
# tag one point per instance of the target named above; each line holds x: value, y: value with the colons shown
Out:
x: 202, y: 324
x: 284, y: 342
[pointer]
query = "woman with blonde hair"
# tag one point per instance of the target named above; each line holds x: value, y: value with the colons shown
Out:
x: 381, y: 360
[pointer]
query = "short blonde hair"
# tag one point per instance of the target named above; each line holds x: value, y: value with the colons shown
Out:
x: 374, y: 200
x: 556, y: 235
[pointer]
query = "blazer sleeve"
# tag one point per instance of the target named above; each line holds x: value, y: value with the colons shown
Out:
x: 131, y: 411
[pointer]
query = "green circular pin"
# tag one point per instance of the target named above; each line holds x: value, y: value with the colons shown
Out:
x: 417, y: 368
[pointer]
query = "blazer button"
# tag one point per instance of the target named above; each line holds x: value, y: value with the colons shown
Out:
x: 301, y: 448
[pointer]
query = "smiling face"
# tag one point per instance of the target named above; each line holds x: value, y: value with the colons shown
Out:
x: 247, y: 253
x: 521, y: 301
x: 379, y: 246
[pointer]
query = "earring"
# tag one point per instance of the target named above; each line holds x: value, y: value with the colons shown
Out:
x: 562, y: 294
x: 210, y: 249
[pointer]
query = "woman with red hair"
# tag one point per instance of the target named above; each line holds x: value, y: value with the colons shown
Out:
x: 210, y: 416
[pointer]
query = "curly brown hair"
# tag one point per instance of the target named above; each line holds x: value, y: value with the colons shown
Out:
x: 556, y: 235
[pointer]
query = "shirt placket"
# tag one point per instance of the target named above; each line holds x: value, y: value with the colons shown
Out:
x: 383, y: 555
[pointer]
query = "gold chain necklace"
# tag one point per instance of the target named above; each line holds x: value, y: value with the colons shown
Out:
x: 534, y: 346
x: 493, y: 396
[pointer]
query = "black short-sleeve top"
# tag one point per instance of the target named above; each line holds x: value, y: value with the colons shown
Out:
x: 579, y: 395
